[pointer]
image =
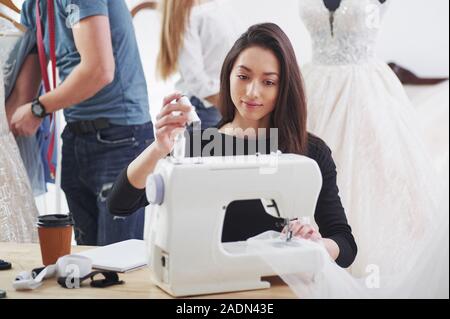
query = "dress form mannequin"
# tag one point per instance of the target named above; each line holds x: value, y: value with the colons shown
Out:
x: 352, y: 96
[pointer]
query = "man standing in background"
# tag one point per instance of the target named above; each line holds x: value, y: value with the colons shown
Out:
x: 104, y: 96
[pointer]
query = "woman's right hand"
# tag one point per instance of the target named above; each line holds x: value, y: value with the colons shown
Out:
x: 169, y: 124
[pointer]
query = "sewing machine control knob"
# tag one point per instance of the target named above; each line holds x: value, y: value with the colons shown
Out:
x: 155, y: 189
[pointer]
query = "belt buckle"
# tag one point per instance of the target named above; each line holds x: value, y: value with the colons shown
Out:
x: 83, y: 127
x: 100, y: 124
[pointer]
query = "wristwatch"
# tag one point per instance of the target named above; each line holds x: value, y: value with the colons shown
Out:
x: 38, y: 109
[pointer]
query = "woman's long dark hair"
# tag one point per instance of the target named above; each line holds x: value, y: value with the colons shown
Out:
x: 289, y: 115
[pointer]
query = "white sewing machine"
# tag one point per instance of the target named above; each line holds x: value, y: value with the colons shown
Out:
x: 189, y: 202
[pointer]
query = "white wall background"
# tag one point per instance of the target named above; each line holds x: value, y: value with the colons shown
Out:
x: 416, y: 34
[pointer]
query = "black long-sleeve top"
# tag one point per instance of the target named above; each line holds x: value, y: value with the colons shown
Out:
x: 245, y: 219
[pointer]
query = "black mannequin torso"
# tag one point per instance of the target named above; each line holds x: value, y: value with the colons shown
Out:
x: 333, y: 5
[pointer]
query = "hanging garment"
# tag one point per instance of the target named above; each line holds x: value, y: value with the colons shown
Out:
x: 28, y: 146
x: 18, y: 211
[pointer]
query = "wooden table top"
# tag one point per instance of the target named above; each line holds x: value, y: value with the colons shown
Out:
x: 138, y: 284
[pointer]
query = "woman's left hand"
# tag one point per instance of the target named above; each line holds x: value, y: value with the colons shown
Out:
x: 305, y: 231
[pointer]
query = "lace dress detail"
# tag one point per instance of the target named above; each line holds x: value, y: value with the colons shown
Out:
x: 346, y: 36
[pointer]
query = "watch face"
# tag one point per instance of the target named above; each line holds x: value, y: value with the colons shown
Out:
x: 38, y: 110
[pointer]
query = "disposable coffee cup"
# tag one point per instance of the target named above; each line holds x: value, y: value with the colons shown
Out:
x: 55, y: 237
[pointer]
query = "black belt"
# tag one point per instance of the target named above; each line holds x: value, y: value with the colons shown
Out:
x: 86, y: 127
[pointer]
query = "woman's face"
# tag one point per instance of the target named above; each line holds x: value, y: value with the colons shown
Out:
x: 254, y: 83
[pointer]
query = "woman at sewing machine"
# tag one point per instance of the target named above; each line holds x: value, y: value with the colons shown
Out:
x: 261, y: 89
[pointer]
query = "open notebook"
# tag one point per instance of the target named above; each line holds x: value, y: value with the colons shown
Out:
x: 125, y: 256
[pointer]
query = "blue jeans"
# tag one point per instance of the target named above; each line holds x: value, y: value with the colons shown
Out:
x: 90, y: 165
x: 210, y: 116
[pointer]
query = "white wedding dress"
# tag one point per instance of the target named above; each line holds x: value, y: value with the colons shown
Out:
x: 18, y: 212
x: 358, y: 106
x: 432, y: 105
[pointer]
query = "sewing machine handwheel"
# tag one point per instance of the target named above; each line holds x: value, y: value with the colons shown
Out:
x: 155, y: 189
